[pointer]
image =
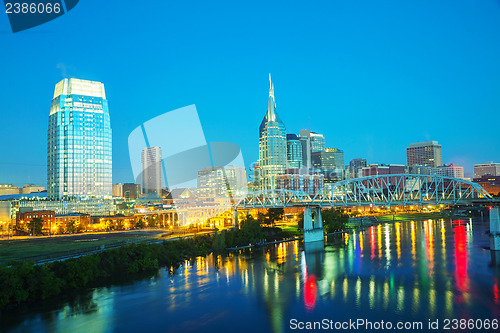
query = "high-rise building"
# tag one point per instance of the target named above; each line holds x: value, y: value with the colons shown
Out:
x: 317, y: 142
x: 272, y: 144
x: 328, y: 159
x: 151, y: 171
x: 330, y: 163
x: 356, y: 167
x: 79, y: 141
x: 491, y: 169
x: 305, y: 140
x: 424, y: 153
x: 118, y: 190
x: 294, y: 152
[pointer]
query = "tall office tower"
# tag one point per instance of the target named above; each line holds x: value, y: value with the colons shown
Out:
x: 79, y: 141
x: 492, y: 169
x: 151, y: 171
x: 305, y: 140
x: 424, y: 153
x: 356, y: 167
x: 330, y: 163
x: 272, y: 144
x: 328, y: 159
x: 293, y: 151
x: 317, y: 142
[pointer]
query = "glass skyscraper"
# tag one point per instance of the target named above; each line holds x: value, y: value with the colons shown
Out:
x: 294, y: 152
x: 79, y: 156
x: 272, y: 144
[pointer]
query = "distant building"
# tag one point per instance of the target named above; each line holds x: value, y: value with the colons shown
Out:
x: 79, y: 152
x: 47, y: 217
x: 356, y: 167
x: 329, y: 163
x: 221, y: 181
x: 424, y: 153
x: 9, y: 189
x: 450, y: 170
x: 305, y: 141
x: 492, y: 169
x: 272, y: 144
x: 328, y: 159
x: 151, y: 171
x: 490, y: 183
x: 118, y: 190
x: 317, y: 142
x: 62, y: 221
x: 382, y: 169
x: 294, y: 152
x: 89, y: 206
x: 417, y: 169
x: 31, y: 188
x: 132, y: 191
x: 309, y: 183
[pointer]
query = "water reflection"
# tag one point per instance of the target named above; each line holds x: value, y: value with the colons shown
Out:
x: 415, y: 270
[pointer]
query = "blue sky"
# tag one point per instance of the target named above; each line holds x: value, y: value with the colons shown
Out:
x: 372, y: 76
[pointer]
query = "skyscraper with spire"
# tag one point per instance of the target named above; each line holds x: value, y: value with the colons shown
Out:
x: 272, y: 144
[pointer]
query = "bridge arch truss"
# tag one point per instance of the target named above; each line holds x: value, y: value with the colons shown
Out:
x: 380, y: 190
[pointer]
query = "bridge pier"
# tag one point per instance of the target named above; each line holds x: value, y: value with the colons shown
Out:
x: 313, y: 225
x: 495, y: 229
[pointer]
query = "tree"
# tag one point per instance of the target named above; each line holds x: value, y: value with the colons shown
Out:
x: 334, y: 219
x: 300, y: 221
x: 139, y: 224
x: 275, y: 214
x: 71, y: 226
x: 35, y: 226
x: 119, y: 224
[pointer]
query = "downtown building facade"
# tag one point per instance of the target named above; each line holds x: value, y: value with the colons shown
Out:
x: 424, y: 153
x: 272, y: 145
x: 151, y: 171
x: 486, y: 169
x: 294, y: 152
x: 79, y: 146
x: 228, y: 181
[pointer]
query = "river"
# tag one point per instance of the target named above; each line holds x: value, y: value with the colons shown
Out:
x: 408, y: 272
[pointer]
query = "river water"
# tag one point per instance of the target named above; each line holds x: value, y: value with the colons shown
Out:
x: 411, y: 271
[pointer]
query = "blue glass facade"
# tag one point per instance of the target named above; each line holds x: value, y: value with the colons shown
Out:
x: 79, y: 152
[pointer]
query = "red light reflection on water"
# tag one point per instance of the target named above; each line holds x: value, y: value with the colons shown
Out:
x: 461, y: 277
x: 310, y: 291
x: 495, y: 292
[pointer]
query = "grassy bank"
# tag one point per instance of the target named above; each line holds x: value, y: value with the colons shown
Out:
x: 52, y: 247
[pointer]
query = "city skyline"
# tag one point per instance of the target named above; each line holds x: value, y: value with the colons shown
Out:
x: 428, y: 84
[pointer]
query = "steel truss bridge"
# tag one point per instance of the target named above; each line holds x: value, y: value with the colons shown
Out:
x: 380, y: 190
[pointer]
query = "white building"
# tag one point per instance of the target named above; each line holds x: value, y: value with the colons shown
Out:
x: 151, y: 171
x: 492, y: 169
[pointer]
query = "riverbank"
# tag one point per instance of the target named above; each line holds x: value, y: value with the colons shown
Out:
x: 26, y: 281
